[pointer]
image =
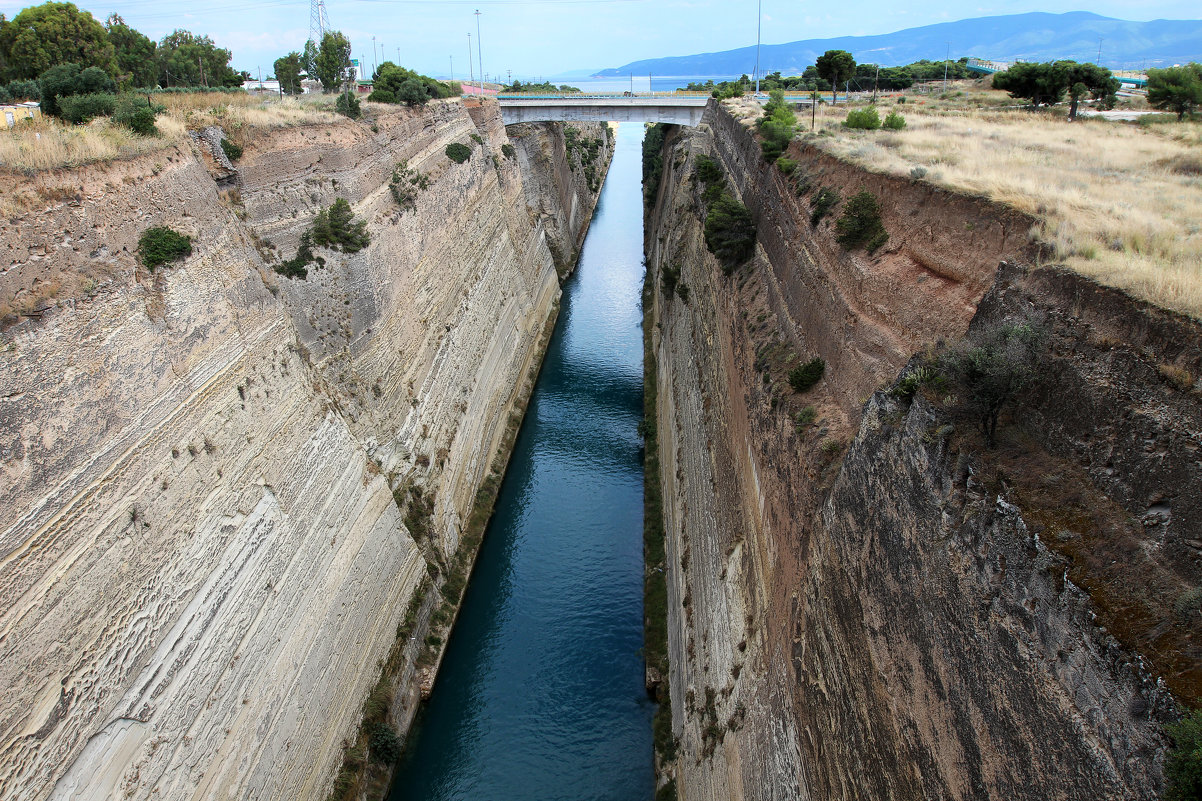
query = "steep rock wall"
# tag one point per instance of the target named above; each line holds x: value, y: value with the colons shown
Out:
x: 201, y: 562
x: 854, y: 611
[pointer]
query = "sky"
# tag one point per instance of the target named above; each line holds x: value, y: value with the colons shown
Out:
x: 543, y: 38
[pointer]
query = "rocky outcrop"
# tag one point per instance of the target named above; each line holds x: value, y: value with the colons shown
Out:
x: 202, y: 566
x: 566, y: 165
x: 871, y: 604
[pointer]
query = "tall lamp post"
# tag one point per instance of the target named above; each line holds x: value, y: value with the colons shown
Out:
x: 759, y: 21
x: 479, y: 52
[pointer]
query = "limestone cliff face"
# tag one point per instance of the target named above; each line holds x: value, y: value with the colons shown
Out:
x: 201, y: 561
x: 868, y: 606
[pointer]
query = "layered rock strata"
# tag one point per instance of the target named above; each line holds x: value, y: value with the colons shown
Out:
x: 862, y: 606
x: 202, y: 565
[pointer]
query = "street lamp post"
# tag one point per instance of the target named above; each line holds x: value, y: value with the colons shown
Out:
x: 759, y: 21
x: 470, y: 67
x: 479, y: 52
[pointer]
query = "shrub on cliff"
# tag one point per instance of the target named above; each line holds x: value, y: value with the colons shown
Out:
x: 385, y: 744
x: 381, y: 96
x: 807, y: 374
x: 297, y: 266
x: 861, y: 223
x: 233, y: 152
x: 653, y: 160
x: 729, y: 232
x: 1183, y: 768
x: 405, y: 184
x: 994, y: 365
x: 348, y: 106
x: 458, y: 152
x: 161, y: 245
x: 864, y: 118
x: 776, y: 126
x: 822, y: 203
x: 336, y: 228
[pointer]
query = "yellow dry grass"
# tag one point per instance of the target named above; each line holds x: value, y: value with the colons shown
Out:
x: 48, y: 144
x: 1118, y: 201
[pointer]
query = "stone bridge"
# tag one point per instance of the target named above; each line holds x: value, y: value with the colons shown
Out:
x: 679, y: 108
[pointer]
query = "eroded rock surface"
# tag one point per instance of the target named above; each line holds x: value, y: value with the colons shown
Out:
x: 859, y: 607
x: 201, y: 561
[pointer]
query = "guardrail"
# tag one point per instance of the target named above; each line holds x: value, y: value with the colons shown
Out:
x: 594, y: 95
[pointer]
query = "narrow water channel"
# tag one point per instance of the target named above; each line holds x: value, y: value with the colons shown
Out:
x: 541, y: 693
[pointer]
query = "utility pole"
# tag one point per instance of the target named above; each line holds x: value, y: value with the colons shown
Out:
x: 375, y: 66
x: 632, y: 83
x: 452, y: 69
x: 479, y: 51
x: 759, y: 19
x: 471, y: 69
x: 1099, y: 62
x: 510, y: 73
x: 875, y: 82
x: 945, y: 63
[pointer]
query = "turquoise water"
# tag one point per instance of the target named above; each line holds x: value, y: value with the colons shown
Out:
x: 541, y: 692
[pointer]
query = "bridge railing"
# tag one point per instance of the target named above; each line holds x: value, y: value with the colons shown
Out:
x: 593, y: 95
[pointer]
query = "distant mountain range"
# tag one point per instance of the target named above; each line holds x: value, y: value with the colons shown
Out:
x: 1027, y: 37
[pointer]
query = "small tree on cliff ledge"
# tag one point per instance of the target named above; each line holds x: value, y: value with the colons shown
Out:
x: 994, y: 366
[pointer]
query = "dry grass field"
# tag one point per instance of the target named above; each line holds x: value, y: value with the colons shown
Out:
x: 49, y: 144
x: 1118, y: 201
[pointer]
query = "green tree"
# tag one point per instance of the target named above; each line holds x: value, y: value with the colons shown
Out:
x: 1086, y: 79
x: 333, y: 61
x: 288, y: 72
x: 66, y: 80
x: 44, y: 36
x: 776, y: 126
x: 835, y: 67
x: 1183, y: 768
x: 1030, y: 81
x: 1177, y: 89
x: 135, y: 56
x: 995, y: 365
x: 185, y: 59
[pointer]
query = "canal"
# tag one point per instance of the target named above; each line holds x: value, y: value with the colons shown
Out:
x: 541, y: 692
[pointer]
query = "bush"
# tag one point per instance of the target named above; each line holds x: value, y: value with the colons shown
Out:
x: 709, y: 172
x: 786, y: 165
x: 385, y: 744
x: 807, y: 374
x: 23, y: 90
x: 995, y: 365
x: 458, y: 153
x: 381, y: 96
x: 161, y: 245
x: 232, y: 152
x: 336, y: 228
x: 508, y: 151
x: 412, y: 92
x: 65, y: 80
x: 864, y: 118
x: 297, y: 266
x: 729, y: 232
x: 861, y: 223
x: 137, y: 114
x: 776, y: 126
x: 822, y: 203
x: 83, y: 108
x: 894, y: 121
x: 348, y: 106
x: 1183, y: 768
